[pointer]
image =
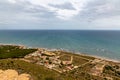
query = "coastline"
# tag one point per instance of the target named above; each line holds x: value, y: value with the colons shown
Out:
x: 64, y: 50
x: 37, y: 60
x: 95, y: 56
x: 103, y: 58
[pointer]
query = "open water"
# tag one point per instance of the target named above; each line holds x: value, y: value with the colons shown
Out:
x: 91, y: 42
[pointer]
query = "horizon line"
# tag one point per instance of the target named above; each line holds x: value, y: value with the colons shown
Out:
x: 67, y: 29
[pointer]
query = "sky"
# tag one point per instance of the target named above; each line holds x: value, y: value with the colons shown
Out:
x: 60, y: 14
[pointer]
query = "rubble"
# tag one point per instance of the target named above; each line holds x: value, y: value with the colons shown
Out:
x: 50, y: 60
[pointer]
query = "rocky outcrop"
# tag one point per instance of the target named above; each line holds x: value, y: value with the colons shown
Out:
x: 13, y: 75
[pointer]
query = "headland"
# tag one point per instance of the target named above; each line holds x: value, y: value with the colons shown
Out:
x: 50, y: 64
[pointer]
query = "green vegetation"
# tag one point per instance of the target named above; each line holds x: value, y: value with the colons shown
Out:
x: 41, y: 73
x: 65, y: 57
x: 14, y: 52
x: 36, y: 71
x: 78, y: 55
x: 79, y: 61
x: 9, y: 59
x: 81, y: 74
x: 111, y: 70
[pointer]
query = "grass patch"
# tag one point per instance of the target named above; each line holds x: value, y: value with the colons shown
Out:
x: 36, y: 71
x: 8, y: 51
x: 78, y: 60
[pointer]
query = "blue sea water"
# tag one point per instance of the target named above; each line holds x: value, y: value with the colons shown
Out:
x: 91, y: 42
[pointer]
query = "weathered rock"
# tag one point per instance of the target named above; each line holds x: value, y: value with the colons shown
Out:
x: 13, y: 75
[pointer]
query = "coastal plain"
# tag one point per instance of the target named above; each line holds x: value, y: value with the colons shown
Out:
x: 47, y: 64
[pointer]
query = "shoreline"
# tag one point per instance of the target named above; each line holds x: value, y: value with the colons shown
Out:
x: 95, y: 56
x: 65, y: 50
x: 104, y: 58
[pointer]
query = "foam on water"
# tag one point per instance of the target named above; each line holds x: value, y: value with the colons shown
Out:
x: 99, y: 43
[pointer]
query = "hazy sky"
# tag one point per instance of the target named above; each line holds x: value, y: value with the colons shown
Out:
x: 60, y: 14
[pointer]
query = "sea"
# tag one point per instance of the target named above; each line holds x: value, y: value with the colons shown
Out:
x: 102, y: 43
